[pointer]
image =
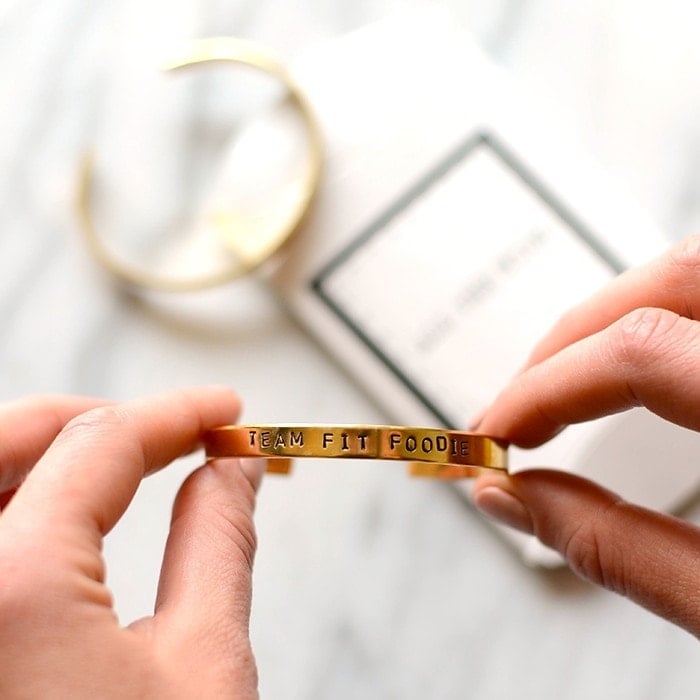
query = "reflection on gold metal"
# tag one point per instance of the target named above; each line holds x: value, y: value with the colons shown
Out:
x: 432, y: 452
x: 249, y: 250
x: 279, y: 465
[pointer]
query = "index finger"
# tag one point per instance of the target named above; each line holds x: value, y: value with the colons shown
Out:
x: 88, y: 476
x: 29, y: 425
x: 650, y: 358
x: 671, y: 282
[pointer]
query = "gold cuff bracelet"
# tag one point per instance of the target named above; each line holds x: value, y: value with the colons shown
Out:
x: 432, y: 452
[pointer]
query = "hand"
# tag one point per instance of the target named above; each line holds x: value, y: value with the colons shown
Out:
x: 635, y: 343
x: 83, y: 461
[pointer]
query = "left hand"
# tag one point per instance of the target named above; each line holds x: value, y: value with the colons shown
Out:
x: 83, y: 461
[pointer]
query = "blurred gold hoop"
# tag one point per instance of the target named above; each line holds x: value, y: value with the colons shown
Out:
x: 248, y: 256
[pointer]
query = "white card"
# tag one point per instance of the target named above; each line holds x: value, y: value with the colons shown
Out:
x: 435, y: 284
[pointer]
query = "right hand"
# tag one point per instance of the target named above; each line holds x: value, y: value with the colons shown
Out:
x: 635, y: 343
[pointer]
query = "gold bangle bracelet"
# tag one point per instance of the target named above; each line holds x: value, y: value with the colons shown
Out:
x: 432, y: 452
x: 248, y: 249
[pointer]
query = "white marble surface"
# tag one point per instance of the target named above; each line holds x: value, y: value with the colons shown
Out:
x: 367, y: 584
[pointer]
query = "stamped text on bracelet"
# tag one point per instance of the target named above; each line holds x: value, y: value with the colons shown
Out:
x: 433, y: 452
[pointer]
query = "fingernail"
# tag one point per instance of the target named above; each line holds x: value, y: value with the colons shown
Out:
x: 503, y: 507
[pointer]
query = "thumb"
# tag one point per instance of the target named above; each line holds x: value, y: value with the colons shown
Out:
x: 646, y: 556
x: 204, y: 595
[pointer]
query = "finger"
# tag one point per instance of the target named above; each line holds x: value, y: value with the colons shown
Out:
x: 86, y: 479
x: 651, y: 358
x: 670, y: 282
x: 648, y: 557
x: 204, y: 593
x: 5, y: 498
x: 29, y: 426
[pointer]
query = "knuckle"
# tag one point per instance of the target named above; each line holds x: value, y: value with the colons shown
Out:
x: 230, y: 536
x: 240, y: 532
x: 581, y: 552
x: 596, y: 557
x: 680, y: 275
x: 248, y: 544
x: 685, y: 259
x: 226, y: 527
x: 642, y: 334
x: 92, y: 423
x: 233, y: 515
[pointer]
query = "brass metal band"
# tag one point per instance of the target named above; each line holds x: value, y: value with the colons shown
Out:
x: 432, y: 452
x: 249, y: 249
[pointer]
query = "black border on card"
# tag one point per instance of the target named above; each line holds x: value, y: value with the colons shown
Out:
x: 474, y: 141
